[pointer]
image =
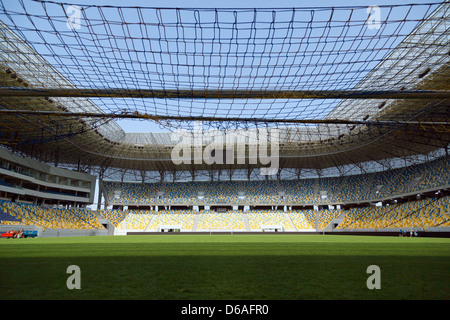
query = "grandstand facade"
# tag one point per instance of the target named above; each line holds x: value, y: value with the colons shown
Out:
x: 360, y: 115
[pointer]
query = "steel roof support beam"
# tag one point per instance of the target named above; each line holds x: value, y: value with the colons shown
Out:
x: 223, y: 94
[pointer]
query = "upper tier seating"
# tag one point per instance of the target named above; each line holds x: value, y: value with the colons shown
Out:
x: 347, y: 189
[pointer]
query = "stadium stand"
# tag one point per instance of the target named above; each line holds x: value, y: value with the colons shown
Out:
x: 259, y: 218
x: 416, y: 214
x: 326, y: 216
x: 379, y: 185
x: 183, y: 218
x: 55, y: 218
x: 299, y: 191
x: 114, y: 216
x: 231, y: 220
x: 303, y: 219
x: 136, y: 220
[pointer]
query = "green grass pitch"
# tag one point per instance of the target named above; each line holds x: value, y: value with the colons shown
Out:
x: 225, y: 267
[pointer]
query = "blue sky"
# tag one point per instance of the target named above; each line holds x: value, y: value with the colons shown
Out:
x: 187, y: 63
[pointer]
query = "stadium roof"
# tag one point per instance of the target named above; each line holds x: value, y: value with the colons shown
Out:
x: 339, y: 88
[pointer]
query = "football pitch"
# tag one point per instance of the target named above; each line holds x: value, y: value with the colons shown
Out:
x: 225, y: 267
